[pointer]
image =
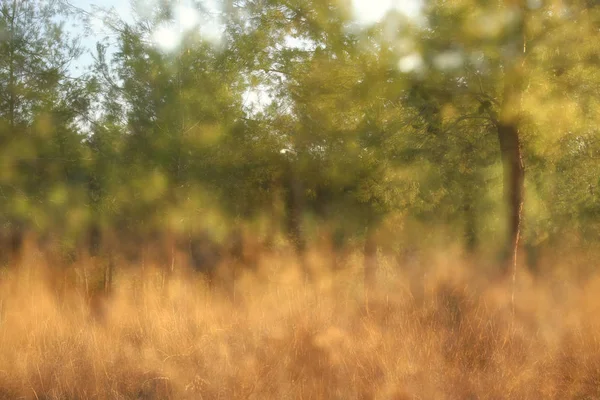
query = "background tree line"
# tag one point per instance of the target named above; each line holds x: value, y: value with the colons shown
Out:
x: 476, y: 123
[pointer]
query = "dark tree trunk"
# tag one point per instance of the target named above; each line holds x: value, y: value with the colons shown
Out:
x: 370, y: 262
x: 103, y: 248
x: 205, y: 254
x: 514, y: 174
x: 471, y: 239
x: 294, y: 204
x: 469, y: 192
x: 14, y: 244
x: 109, y: 274
x: 508, y: 125
x: 94, y: 239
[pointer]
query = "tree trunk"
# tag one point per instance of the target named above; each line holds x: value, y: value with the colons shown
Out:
x: 370, y: 262
x: 16, y: 239
x: 469, y: 194
x: 508, y: 125
x: 294, y: 213
x: 471, y: 239
x: 109, y: 273
x: 514, y: 176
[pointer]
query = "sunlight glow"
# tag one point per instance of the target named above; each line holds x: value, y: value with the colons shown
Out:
x: 368, y: 12
x: 186, y: 18
x: 448, y: 60
x: 410, y: 63
x: 167, y: 37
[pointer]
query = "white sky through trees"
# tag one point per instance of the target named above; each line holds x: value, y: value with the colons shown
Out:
x: 187, y: 17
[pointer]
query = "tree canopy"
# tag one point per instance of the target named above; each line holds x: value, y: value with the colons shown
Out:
x: 476, y: 122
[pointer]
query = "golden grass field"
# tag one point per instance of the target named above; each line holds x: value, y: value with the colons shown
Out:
x: 446, y: 333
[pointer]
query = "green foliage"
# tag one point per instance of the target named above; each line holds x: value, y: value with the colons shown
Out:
x: 40, y: 106
x: 398, y: 118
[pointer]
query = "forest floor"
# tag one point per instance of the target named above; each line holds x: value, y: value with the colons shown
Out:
x: 446, y: 332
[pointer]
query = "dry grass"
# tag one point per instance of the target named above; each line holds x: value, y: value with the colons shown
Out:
x: 446, y: 334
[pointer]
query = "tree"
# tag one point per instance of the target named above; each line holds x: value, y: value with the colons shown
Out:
x: 41, y: 107
x: 333, y: 105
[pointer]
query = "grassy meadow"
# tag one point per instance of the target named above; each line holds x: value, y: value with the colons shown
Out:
x: 443, y: 330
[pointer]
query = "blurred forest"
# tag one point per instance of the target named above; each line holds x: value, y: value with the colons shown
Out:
x: 474, y: 125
